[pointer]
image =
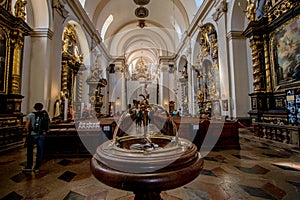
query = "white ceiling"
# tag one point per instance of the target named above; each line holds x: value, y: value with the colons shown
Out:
x: 167, y: 20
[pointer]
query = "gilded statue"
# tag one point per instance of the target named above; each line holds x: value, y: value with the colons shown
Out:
x: 20, y: 9
x: 204, y: 46
x: 200, y: 96
x: 251, y: 10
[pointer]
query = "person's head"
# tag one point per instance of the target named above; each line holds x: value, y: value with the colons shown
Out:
x: 38, y: 106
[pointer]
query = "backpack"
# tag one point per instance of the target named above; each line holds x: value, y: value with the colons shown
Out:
x: 41, y: 123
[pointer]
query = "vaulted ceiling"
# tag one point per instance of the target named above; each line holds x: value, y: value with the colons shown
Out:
x: 118, y: 25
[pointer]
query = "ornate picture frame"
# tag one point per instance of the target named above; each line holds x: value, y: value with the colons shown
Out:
x: 285, y: 55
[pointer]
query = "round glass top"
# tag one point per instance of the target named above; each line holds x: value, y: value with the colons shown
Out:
x: 145, y: 127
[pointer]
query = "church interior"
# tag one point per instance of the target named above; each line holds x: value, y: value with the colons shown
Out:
x: 150, y: 100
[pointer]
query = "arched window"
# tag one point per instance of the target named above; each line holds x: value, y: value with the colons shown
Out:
x: 176, y: 27
x: 82, y: 2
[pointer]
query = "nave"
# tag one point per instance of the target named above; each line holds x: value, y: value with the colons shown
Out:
x: 257, y: 171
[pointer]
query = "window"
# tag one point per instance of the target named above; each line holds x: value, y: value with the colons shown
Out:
x: 106, y: 24
x: 198, y: 3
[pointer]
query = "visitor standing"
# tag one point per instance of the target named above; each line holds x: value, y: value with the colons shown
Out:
x: 37, y: 124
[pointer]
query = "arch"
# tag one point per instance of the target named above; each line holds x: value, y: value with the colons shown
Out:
x: 237, y: 22
x: 40, y: 14
x: 156, y: 39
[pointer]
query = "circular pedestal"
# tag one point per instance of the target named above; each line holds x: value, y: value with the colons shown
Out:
x: 147, y: 173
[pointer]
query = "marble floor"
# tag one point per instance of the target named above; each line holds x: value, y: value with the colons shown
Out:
x: 257, y: 171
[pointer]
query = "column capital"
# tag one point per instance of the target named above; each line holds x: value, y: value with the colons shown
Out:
x: 42, y: 32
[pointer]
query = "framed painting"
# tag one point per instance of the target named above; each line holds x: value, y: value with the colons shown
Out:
x: 285, y: 55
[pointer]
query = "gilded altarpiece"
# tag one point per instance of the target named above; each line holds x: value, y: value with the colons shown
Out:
x: 274, y: 41
x: 207, y: 69
x: 72, y: 68
x: 13, y: 29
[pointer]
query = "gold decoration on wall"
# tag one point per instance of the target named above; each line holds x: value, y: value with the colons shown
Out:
x: 203, y: 42
x: 257, y: 51
x: 20, y: 9
x: 267, y: 65
x: 208, y: 43
x: 208, y: 76
x: 17, y: 41
x: 276, y: 8
x: 72, y: 68
x: 251, y: 10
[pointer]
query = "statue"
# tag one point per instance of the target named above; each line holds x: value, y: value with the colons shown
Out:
x: 184, y: 73
x: 251, y: 10
x: 57, y: 109
x: 60, y: 7
x: 20, y: 9
x: 260, y: 9
x: 200, y: 96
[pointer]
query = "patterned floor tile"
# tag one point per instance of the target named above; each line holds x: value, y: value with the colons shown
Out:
x: 221, y: 158
x: 67, y: 176
x: 97, y: 195
x: 64, y: 162
x: 12, y: 196
x: 274, y: 190
x: 253, y: 170
x: 257, y: 192
x: 20, y: 177
x: 210, y: 159
x: 196, y: 194
x: 297, y: 184
x: 242, y: 157
x: 217, y: 158
x: 218, y: 171
x: 222, y: 177
x: 74, y: 196
x: 208, y: 173
x: 275, y: 155
x: 264, y: 147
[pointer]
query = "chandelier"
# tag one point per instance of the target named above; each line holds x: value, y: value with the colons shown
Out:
x: 141, y: 2
x: 141, y: 11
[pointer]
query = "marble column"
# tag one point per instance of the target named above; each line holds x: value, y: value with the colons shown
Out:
x: 164, y: 85
x: 239, y: 74
x: 172, y: 82
x: 40, y: 70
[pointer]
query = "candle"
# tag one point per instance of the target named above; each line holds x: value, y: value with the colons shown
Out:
x: 66, y: 109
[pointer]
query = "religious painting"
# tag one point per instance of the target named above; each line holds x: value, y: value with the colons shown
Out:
x: 3, y: 70
x: 285, y: 55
